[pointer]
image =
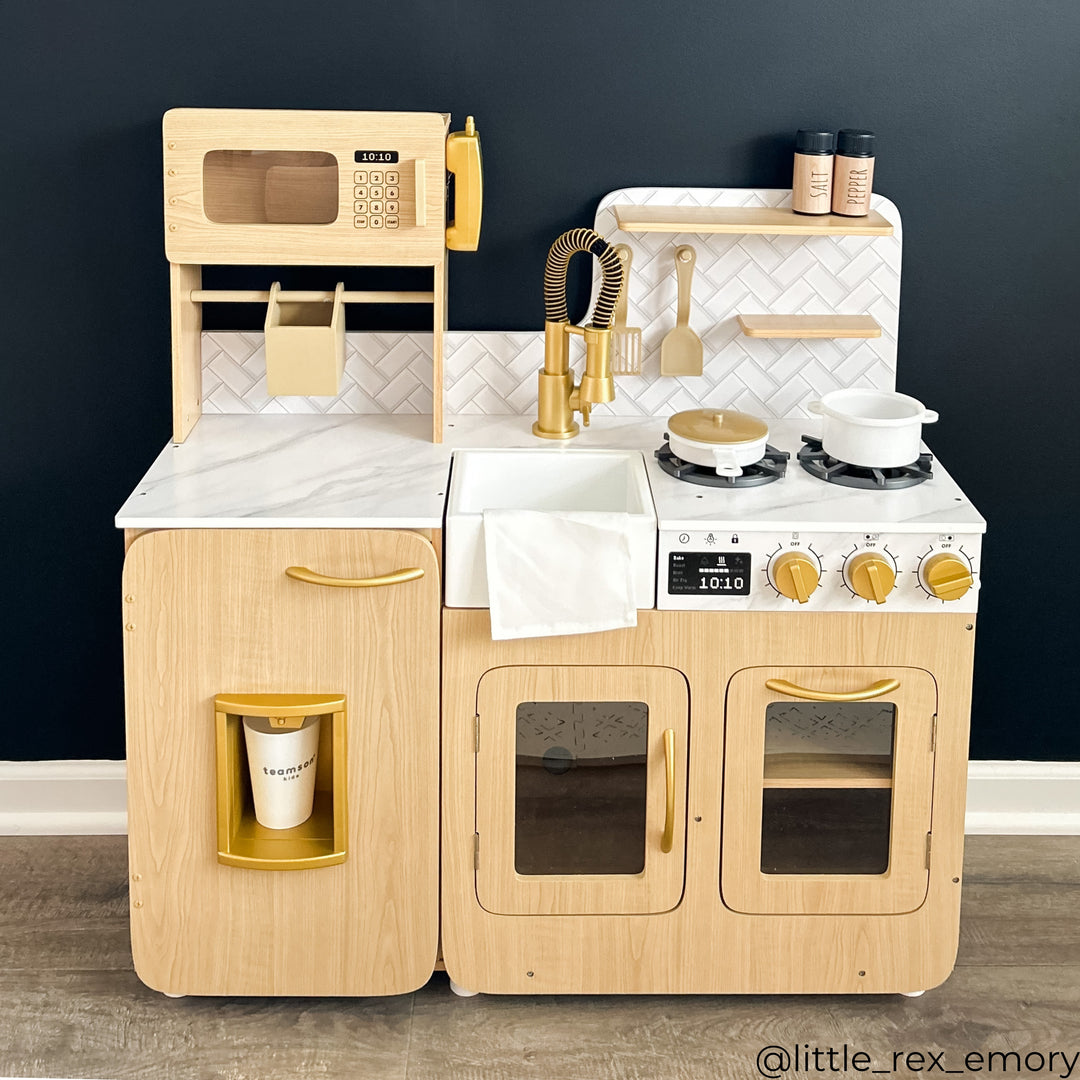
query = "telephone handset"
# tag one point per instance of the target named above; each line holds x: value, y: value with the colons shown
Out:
x: 463, y: 160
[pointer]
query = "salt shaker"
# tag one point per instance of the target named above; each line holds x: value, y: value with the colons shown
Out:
x: 812, y: 179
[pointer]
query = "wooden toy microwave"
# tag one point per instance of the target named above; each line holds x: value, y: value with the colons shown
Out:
x: 295, y: 187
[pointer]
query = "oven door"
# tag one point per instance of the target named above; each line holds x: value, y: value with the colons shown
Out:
x: 828, y: 781
x: 581, y: 790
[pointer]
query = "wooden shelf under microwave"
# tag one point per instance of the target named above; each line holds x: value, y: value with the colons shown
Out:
x: 827, y: 771
x: 809, y: 326
x: 767, y: 220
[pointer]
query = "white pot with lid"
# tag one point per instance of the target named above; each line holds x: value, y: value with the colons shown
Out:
x: 722, y: 439
x: 872, y: 428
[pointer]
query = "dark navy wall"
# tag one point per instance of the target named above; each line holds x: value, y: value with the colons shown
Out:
x: 976, y: 105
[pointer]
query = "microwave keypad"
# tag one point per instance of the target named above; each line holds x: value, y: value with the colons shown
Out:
x: 376, y: 199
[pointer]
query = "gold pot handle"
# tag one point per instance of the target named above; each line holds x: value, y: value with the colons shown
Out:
x: 882, y: 686
x: 302, y: 573
x: 669, y: 790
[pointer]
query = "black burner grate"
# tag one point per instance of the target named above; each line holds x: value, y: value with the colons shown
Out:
x: 833, y: 471
x: 764, y: 471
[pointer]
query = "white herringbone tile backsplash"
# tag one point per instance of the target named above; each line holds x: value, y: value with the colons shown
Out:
x: 495, y: 372
x: 752, y: 274
x: 384, y: 373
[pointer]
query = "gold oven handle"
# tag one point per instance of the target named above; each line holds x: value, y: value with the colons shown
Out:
x: 882, y: 686
x: 302, y: 573
x: 669, y: 789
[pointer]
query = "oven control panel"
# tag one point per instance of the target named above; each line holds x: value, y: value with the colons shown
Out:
x: 721, y: 570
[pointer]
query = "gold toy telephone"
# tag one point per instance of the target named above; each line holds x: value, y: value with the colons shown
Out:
x: 463, y: 160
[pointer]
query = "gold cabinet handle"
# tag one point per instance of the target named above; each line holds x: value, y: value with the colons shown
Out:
x: 302, y: 573
x: 669, y: 788
x: 882, y: 686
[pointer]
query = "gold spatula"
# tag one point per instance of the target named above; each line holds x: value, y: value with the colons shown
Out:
x: 680, y: 351
x: 625, y: 340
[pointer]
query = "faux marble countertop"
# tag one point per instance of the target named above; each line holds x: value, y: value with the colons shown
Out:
x: 331, y: 471
x: 382, y: 471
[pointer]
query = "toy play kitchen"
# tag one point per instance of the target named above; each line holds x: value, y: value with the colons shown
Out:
x: 752, y: 782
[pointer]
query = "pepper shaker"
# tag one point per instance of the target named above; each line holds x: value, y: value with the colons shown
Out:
x: 812, y: 178
x: 853, y: 179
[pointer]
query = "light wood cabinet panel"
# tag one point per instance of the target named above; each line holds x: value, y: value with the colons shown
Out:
x: 702, y: 945
x: 572, y: 789
x: 210, y: 612
x: 799, y: 797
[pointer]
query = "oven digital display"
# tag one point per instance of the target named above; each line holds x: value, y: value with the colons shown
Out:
x: 375, y: 157
x: 709, y: 573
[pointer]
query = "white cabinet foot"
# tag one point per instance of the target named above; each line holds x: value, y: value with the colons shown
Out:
x: 912, y: 993
x: 461, y: 991
x: 167, y: 994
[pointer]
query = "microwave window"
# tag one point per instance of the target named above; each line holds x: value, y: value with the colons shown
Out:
x: 270, y: 187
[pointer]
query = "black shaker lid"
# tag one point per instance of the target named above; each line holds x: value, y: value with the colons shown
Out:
x: 851, y: 142
x: 814, y: 142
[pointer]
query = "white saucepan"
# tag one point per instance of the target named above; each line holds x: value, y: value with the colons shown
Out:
x: 873, y: 428
x: 720, y: 439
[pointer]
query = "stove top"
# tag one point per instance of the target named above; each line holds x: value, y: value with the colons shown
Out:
x: 800, y: 500
x: 821, y: 537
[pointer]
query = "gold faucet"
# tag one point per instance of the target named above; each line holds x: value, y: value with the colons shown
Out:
x: 559, y: 398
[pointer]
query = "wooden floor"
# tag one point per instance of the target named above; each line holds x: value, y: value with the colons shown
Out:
x: 70, y: 1005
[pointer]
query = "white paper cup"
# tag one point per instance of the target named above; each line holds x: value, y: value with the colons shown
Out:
x: 282, y: 763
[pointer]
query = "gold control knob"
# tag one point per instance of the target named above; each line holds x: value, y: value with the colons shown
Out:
x: 795, y: 575
x: 871, y: 576
x: 946, y: 576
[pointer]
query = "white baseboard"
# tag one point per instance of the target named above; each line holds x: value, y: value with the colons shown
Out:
x: 57, y: 798
x: 39, y: 798
x: 1037, y: 797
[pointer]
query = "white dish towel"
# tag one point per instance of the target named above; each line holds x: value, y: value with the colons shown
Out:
x: 557, y: 573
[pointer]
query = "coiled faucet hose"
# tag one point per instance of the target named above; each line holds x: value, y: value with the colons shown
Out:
x: 591, y: 243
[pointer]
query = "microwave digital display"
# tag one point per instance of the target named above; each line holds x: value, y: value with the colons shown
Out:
x: 376, y: 157
x: 707, y: 573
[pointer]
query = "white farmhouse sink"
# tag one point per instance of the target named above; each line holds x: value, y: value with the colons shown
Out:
x: 551, y: 480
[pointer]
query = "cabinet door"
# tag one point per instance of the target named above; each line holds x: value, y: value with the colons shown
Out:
x: 213, y: 612
x: 581, y: 789
x: 828, y: 782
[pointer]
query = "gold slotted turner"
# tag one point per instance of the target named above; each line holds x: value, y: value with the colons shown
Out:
x: 625, y: 340
x: 680, y: 351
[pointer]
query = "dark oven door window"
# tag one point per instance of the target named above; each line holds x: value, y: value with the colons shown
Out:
x: 580, y: 789
x: 828, y: 789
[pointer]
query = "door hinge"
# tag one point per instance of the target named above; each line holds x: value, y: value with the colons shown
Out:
x: 933, y: 735
x: 476, y: 734
x: 929, y: 841
x: 476, y: 851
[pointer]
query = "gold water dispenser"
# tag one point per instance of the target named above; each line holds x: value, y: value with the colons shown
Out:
x: 242, y: 841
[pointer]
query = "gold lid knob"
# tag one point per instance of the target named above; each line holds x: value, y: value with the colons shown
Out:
x: 871, y: 576
x: 795, y: 575
x: 946, y: 576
